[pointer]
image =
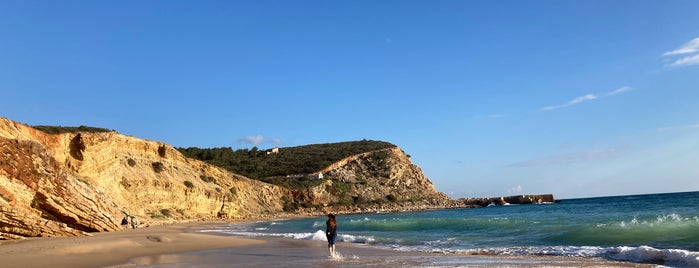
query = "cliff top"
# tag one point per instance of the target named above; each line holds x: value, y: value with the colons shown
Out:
x: 306, y: 159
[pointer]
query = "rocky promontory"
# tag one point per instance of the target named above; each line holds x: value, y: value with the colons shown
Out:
x: 507, y: 200
x: 73, y: 183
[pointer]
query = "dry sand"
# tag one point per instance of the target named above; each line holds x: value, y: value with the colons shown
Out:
x: 104, y: 249
x: 173, y: 246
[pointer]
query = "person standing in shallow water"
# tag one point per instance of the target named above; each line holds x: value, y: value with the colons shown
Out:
x: 331, y: 233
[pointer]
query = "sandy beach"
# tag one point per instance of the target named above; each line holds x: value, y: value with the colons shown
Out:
x: 178, y: 246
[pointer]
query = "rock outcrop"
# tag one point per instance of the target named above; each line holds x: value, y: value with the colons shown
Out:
x: 76, y: 183
x: 508, y: 200
x: 379, y: 180
x: 68, y: 184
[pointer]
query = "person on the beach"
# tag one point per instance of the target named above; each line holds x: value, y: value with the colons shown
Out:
x: 331, y: 233
x: 134, y: 223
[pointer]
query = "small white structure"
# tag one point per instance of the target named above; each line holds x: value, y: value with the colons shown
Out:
x: 320, y: 175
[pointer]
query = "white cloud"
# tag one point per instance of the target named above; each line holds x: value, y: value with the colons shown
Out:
x: 686, y: 61
x: 588, y: 97
x: 620, y: 90
x: 689, y: 52
x: 688, y: 48
x: 515, y: 190
x: 575, y: 101
x: 254, y: 140
x: 682, y: 127
x: 489, y: 116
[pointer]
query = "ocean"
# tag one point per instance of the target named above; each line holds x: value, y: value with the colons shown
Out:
x: 654, y: 228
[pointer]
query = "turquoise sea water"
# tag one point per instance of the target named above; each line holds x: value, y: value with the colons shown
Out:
x: 656, y: 228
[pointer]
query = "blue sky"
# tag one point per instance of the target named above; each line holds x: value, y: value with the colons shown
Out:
x: 490, y: 98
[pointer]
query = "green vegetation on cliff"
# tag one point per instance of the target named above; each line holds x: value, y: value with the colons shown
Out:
x: 264, y: 165
x: 62, y: 129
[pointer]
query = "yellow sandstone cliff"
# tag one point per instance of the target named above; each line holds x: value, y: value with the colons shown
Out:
x: 68, y: 184
x: 73, y: 183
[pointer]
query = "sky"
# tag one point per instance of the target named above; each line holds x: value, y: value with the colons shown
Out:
x: 490, y: 98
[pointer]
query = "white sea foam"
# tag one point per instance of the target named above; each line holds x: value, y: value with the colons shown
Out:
x: 361, y: 220
x: 645, y: 254
x: 318, y: 235
x: 642, y: 254
x: 356, y: 239
x: 658, y: 221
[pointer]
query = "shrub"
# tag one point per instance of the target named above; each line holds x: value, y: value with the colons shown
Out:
x: 77, y: 147
x: 154, y: 215
x: 391, y: 198
x: 166, y: 213
x: 339, y: 188
x: 131, y: 162
x: 189, y: 184
x: 62, y: 129
x: 307, y: 159
x: 233, y: 191
x: 162, y: 150
x: 289, y: 205
x: 207, y: 178
x: 158, y: 167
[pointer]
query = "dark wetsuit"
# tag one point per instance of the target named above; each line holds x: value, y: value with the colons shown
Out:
x: 330, y: 233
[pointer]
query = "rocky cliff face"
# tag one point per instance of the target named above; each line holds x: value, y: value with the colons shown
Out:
x: 383, y: 179
x: 73, y: 183
x: 67, y: 184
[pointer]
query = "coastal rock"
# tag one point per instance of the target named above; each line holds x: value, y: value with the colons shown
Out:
x: 71, y: 183
x: 382, y: 179
x: 508, y: 200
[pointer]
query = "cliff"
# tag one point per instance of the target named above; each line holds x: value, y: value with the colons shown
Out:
x: 379, y: 180
x: 71, y: 183
x: 74, y: 183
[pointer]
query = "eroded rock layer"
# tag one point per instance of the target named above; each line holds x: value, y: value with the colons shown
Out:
x: 74, y: 183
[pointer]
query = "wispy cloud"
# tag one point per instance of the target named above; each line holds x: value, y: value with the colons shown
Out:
x: 259, y: 139
x: 620, y: 90
x: 686, y: 61
x: 572, y: 102
x: 688, y: 48
x: 575, y: 157
x: 253, y: 140
x: 588, y: 97
x: 515, y: 190
x: 690, y: 52
x: 489, y: 116
x: 681, y: 127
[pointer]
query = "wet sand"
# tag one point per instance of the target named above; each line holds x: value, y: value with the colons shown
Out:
x: 175, y: 246
x: 286, y: 252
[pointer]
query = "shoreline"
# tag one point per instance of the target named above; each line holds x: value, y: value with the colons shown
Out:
x: 288, y: 252
x: 111, y: 248
x: 179, y: 245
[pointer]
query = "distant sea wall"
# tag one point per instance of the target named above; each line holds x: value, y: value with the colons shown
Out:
x: 505, y: 200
